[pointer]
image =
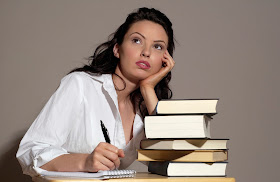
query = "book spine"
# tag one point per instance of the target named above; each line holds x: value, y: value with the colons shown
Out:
x: 158, y: 168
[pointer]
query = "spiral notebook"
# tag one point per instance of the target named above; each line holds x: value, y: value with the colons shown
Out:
x: 88, y: 175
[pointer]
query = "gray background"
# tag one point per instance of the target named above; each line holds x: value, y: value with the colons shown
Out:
x: 225, y: 49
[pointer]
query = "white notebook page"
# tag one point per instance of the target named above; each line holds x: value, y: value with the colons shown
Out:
x: 97, y: 175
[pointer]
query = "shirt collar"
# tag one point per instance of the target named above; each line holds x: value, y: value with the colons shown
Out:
x: 100, y: 77
x: 108, y: 85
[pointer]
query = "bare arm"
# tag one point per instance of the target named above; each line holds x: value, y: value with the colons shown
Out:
x: 67, y: 162
x: 147, y: 86
x: 104, y: 157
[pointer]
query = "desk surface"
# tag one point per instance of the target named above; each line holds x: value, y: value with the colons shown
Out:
x: 147, y: 177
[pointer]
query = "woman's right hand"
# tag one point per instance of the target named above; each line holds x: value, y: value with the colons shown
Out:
x: 104, y: 157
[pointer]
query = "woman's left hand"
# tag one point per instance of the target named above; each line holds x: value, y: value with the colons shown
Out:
x: 153, y: 80
x: 147, y: 85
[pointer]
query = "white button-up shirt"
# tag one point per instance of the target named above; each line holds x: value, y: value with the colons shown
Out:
x: 70, y: 123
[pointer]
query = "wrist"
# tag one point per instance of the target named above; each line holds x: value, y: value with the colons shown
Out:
x: 146, y: 88
x: 82, y: 165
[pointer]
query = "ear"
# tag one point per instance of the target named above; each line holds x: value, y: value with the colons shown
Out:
x: 116, y: 50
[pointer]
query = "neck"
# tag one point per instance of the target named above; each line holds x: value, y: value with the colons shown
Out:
x: 124, y: 87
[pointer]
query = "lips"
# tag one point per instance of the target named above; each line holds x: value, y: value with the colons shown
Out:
x: 143, y: 64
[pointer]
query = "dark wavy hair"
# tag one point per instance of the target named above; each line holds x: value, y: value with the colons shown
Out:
x: 103, y: 60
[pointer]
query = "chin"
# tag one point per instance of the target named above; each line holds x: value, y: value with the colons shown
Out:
x: 140, y: 75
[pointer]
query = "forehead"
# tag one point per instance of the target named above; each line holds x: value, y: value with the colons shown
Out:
x: 149, y: 29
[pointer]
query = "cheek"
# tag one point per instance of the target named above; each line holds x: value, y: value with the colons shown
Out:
x: 157, y: 64
x: 129, y: 51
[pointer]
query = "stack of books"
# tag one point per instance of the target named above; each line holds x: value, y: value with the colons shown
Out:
x: 178, y: 140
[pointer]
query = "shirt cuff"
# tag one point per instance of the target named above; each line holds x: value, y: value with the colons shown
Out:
x: 45, y: 156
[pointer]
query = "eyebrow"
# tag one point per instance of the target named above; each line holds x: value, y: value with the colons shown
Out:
x: 145, y: 37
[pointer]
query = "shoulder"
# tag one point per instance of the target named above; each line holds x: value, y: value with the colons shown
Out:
x: 73, y: 82
x: 75, y: 76
x: 86, y: 82
x: 84, y: 77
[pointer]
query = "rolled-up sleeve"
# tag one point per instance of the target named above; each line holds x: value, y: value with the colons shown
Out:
x: 45, y: 138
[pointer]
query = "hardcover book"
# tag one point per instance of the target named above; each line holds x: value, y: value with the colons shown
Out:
x: 187, y: 106
x: 177, y: 126
x: 183, y: 155
x: 190, y: 169
x: 184, y: 144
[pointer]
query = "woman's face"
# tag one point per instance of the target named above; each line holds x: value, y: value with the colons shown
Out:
x: 142, y: 50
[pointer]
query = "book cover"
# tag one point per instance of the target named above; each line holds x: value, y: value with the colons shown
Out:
x: 183, y: 155
x: 187, y: 106
x: 190, y: 169
x: 184, y: 144
x: 177, y: 126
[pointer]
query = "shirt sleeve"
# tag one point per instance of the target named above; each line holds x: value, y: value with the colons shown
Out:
x: 45, y: 138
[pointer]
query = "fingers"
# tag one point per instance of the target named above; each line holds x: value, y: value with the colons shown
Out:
x: 169, y: 56
x: 99, y: 164
x: 110, y: 159
x: 168, y: 60
x: 106, y: 157
x: 121, y: 153
x: 108, y: 147
x: 168, y: 64
x: 110, y: 152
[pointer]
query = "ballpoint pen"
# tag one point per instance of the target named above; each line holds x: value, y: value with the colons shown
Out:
x: 105, y: 132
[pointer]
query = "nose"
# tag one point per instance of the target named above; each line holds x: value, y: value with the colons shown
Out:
x: 146, y: 52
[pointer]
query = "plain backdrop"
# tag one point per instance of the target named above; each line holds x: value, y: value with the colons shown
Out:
x: 227, y: 49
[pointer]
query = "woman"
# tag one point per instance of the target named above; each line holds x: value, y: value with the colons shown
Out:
x: 122, y: 84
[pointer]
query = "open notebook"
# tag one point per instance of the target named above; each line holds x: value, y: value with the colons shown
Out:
x: 97, y: 175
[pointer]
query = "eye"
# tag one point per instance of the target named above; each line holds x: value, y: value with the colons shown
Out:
x: 158, y: 47
x: 136, y: 40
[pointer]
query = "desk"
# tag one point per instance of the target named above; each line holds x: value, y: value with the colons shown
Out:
x: 145, y: 177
